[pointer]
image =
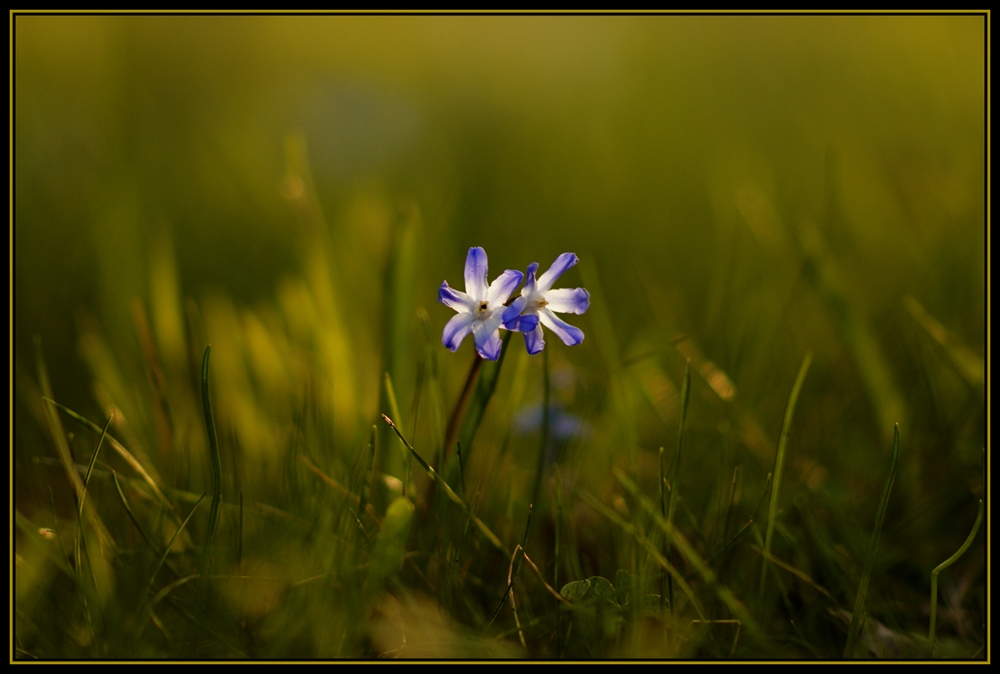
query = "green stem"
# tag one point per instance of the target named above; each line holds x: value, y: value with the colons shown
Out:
x: 941, y: 567
x: 463, y: 402
x: 779, y: 464
x: 543, y: 445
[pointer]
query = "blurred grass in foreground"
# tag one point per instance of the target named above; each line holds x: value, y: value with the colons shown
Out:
x: 741, y: 191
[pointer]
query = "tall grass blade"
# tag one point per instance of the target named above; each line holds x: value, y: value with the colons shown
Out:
x: 118, y: 447
x: 931, y: 633
x: 866, y: 574
x: 557, y: 554
x: 607, y: 343
x: 400, y: 284
x: 544, y: 440
x: 627, y: 526
x: 675, y: 466
x: 964, y: 360
x: 485, y: 530
x: 128, y: 509
x: 664, y: 581
x: 80, y: 542
x: 779, y: 465
x: 435, y: 404
x: 55, y: 426
x: 363, y: 502
x: 166, y: 551
x: 213, y: 448
x: 390, y: 394
x: 90, y: 466
x: 485, y: 386
x: 686, y: 549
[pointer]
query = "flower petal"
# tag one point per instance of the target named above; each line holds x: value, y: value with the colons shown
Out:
x: 486, y: 334
x: 534, y: 340
x: 562, y: 263
x: 455, y: 299
x: 526, y: 323
x: 503, y: 286
x: 512, y: 314
x: 530, y: 286
x: 456, y: 330
x: 568, y: 300
x: 570, y: 335
x: 475, y: 274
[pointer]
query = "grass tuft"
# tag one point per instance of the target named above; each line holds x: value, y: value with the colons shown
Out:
x: 858, y: 617
x: 779, y: 465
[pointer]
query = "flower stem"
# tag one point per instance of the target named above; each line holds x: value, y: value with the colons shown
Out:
x: 536, y: 491
x: 463, y: 402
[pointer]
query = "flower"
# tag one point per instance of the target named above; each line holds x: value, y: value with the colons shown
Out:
x: 538, y: 300
x: 480, y: 308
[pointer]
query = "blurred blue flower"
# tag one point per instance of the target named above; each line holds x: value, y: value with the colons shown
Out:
x: 481, y: 307
x: 538, y: 300
x: 563, y: 427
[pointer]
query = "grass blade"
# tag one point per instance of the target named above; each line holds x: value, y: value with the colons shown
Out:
x: 363, y: 502
x: 83, y: 498
x: 117, y: 446
x: 400, y: 282
x: 544, y: 441
x: 490, y: 536
x: 213, y: 448
x: 390, y: 394
x: 435, y: 405
x: 685, y: 589
x: 675, y: 468
x: 163, y: 557
x: 866, y: 574
x: 779, y: 464
x: 931, y: 633
x: 90, y: 466
x: 488, y: 376
x: 687, y: 550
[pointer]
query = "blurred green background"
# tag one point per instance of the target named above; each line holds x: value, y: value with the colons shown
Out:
x: 739, y: 189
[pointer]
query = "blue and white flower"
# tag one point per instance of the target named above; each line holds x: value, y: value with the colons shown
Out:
x: 538, y: 300
x: 481, y: 307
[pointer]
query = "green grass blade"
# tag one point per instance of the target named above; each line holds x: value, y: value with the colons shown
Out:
x: 866, y: 574
x: 687, y: 550
x: 166, y: 551
x: 400, y: 284
x: 650, y: 547
x: 128, y: 509
x: 55, y: 427
x: 363, y: 502
x: 931, y: 633
x: 435, y: 406
x: 489, y: 535
x: 964, y: 360
x: 544, y: 440
x: 663, y: 513
x: 83, y: 498
x: 606, y: 341
x: 118, y: 447
x: 213, y: 448
x: 90, y: 466
x: 675, y: 466
x: 485, y: 386
x: 779, y: 464
x: 390, y: 394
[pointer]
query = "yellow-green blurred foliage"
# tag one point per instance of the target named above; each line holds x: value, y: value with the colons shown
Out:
x: 293, y: 189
